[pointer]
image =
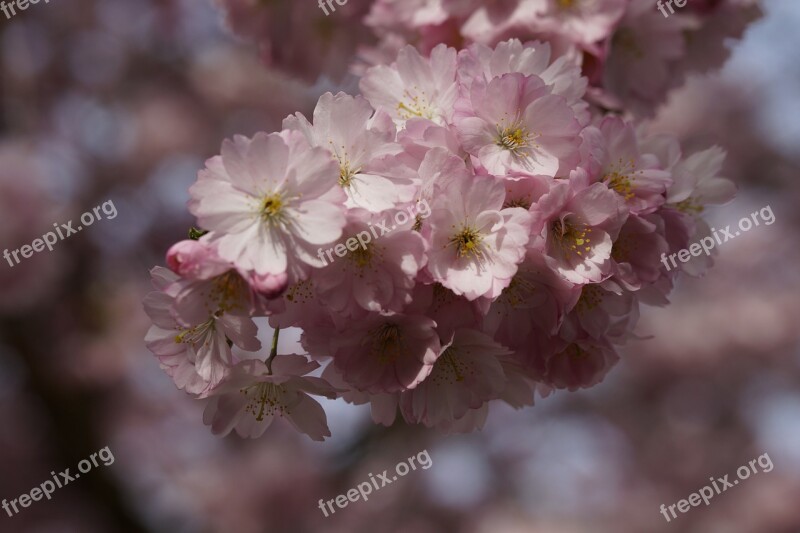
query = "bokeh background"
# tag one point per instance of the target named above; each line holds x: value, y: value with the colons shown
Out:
x: 123, y: 100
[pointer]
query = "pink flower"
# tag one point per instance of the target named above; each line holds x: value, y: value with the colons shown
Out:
x: 464, y: 377
x: 637, y: 252
x: 514, y: 123
x: 476, y: 245
x: 196, y: 354
x: 449, y: 310
x: 576, y: 365
x: 602, y: 311
x: 581, y: 225
x: 535, y: 303
x: 254, y: 395
x: 270, y: 204
x: 638, y: 178
x: 380, y: 353
x: 563, y: 76
x: 358, y: 139
x: 196, y: 260
x: 414, y: 86
x: 376, y: 276
x: 298, y: 306
x: 698, y: 183
x: 199, y: 261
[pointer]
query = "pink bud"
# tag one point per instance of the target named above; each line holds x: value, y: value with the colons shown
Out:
x: 269, y: 285
x: 195, y: 260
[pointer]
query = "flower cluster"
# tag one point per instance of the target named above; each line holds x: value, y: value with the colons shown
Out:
x: 629, y: 51
x: 548, y: 224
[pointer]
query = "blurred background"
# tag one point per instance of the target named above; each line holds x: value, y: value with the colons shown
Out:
x: 123, y: 100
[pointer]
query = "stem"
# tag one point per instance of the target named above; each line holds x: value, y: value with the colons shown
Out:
x: 274, y: 350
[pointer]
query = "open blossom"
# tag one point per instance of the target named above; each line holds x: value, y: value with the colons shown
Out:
x: 269, y: 203
x: 637, y: 177
x: 476, y: 245
x: 637, y: 252
x: 195, y: 354
x: 254, y: 394
x: 513, y: 123
x: 358, y: 139
x: 697, y: 182
x: 377, y: 275
x: 534, y: 303
x: 383, y: 353
x: 414, y: 86
x: 575, y: 365
x: 464, y: 377
x: 601, y: 311
x: 581, y: 224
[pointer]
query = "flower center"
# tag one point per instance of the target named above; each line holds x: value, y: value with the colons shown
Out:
x: 574, y: 351
x: 591, y: 297
x: 265, y: 399
x: 690, y: 207
x: 571, y: 238
x: 387, y: 343
x: 467, y: 243
x: 449, y: 369
x: 621, y: 183
x: 271, y: 207
x: 362, y: 257
x: 524, y: 202
x: 346, y: 174
x: 514, y: 138
x: 227, y: 290
x: 621, y: 250
x: 414, y: 106
x: 518, y: 292
x: 300, y: 293
x: 566, y: 4
x: 196, y: 334
x: 625, y: 39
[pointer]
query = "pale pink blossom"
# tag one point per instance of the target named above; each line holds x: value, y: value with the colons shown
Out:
x: 576, y: 365
x: 476, y: 245
x: 358, y: 139
x: 580, y: 226
x: 638, y: 178
x: 514, y: 123
x: 414, y: 86
x: 380, y: 353
x: 196, y: 354
x: 255, y: 394
x: 466, y: 375
x: 377, y: 275
x: 270, y: 203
